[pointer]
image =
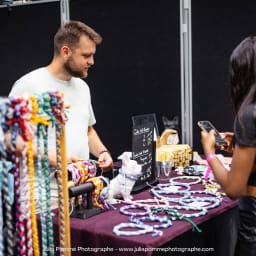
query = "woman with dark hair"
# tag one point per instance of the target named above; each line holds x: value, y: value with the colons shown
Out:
x: 240, y: 181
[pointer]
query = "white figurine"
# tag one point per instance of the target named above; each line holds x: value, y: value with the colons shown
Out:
x: 123, y: 183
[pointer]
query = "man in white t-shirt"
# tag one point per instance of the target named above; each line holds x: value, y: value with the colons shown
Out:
x: 74, y: 48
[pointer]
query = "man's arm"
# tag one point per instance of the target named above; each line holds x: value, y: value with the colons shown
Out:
x: 52, y: 157
x: 96, y: 146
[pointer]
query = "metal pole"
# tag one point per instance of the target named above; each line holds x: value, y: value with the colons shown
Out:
x: 182, y: 73
x: 64, y: 11
x: 186, y: 72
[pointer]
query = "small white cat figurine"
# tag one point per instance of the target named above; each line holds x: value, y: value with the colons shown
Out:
x: 123, y: 183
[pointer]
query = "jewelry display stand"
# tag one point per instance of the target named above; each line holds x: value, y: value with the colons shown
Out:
x: 84, y: 211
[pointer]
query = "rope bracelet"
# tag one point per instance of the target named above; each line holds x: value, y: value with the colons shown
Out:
x: 103, y: 151
x: 143, y: 203
x: 162, y: 186
x: 208, y: 171
x: 157, y: 193
x: 196, y: 178
x: 124, y: 211
x: 166, y: 222
x: 169, y: 199
x: 216, y: 202
x: 175, y: 215
x: 145, y: 229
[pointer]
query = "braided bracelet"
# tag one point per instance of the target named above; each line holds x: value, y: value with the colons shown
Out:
x: 173, y: 211
x: 202, y: 192
x: 162, y: 186
x: 166, y: 222
x: 176, y: 216
x: 172, y: 199
x: 143, y: 203
x: 216, y: 202
x: 124, y: 211
x: 212, y: 188
x: 145, y: 229
x: 40, y: 189
x: 196, y: 178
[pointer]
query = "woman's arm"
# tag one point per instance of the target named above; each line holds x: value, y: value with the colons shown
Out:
x: 234, y: 182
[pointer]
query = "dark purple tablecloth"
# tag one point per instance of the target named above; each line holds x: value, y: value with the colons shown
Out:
x: 96, y: 233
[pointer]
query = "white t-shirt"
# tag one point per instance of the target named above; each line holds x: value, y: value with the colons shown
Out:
x: 80, y: 114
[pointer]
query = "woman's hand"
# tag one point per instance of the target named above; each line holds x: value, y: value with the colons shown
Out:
x: 208, y: 142
x: 228, y: 137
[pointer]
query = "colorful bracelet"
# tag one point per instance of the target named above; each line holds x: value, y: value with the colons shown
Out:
x: 210, y: 157
x: 208, y: 171
x: 103, y: 151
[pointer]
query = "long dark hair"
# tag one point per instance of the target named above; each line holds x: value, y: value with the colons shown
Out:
x: 242, y: 74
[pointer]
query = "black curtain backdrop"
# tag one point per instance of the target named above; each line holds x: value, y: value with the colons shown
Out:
x: 137, y: 66
x: 26, y: 40
x: 217, y: 27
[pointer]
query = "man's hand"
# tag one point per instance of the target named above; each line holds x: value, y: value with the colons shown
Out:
x: 71, y: 159
x: 52, y: 158
x: 106, y: 162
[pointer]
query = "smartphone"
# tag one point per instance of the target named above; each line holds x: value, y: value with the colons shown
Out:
x: 207, y: 126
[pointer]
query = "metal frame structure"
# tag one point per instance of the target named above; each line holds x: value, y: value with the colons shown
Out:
x: 64, y: 7
x: 185, y: 60
x: 64, y: 11
x: 186, y: 72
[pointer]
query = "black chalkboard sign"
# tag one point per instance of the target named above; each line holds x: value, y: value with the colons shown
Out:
x: 143, y: 148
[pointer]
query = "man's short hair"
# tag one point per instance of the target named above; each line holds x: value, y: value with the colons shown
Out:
x: 69, y: 34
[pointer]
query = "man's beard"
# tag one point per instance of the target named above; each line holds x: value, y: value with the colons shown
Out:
x: 73, y: 72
